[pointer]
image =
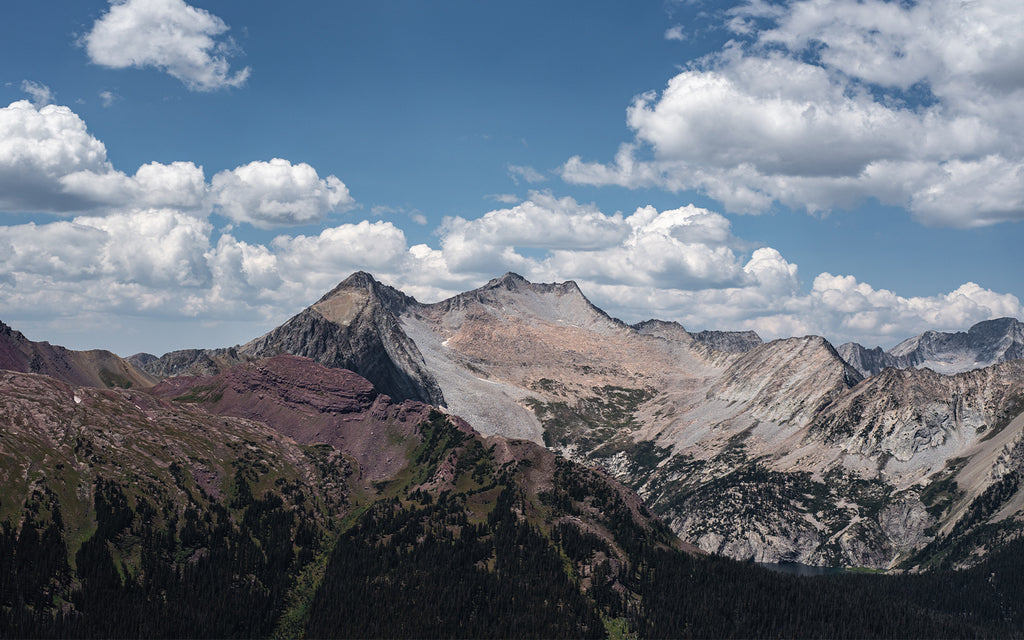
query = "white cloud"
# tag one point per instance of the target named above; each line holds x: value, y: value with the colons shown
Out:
x: 855, y: 309
x: 38, y: 148
x: 156, y: 248
x: 49, y: 163
x: 41, y: 94
x: 686, y: 248
x: 675, y: 33
x: 504, y: 198
x: 278, y: 193
x: 170, y: 35
x: 526, y: 174
x: 916, y: 105
x: 680, y: 264
x: 488, y: 244
x: 108, y: 98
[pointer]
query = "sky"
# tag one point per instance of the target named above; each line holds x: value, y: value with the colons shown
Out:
x: 190, y: 174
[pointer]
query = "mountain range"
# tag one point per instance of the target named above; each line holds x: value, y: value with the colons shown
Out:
x: 787, y: 451
x: 516, y: 409
x: 984, y: 344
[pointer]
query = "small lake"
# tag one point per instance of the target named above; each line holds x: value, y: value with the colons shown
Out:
x: 797, y: 569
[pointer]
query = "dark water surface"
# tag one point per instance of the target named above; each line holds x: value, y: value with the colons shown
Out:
x: 797, y: 569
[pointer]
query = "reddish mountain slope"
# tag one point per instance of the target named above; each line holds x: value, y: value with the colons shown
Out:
x: 95, y: 368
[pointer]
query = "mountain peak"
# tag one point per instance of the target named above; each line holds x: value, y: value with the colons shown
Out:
x: 510, y: 280
x: 358, y: 280
x: 361, y: 281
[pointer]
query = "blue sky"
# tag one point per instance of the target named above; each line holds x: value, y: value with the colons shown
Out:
x: 181, y: 174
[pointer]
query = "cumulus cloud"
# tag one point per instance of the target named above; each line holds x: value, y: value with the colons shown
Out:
x: 851, y: 308
x: 50, y: 163
x: 819, y: 105
x: 170, y: 35
x: 278, y: 193
x: 38, y: 148
x: 680, y: 264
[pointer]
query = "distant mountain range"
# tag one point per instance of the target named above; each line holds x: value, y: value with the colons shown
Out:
x: 984, y: 344
x: 536, y: 443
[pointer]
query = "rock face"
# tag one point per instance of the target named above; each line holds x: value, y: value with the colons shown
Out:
x: 95, y: 368
x: 192, y: 362
x: 729, y: 341
x: 868, y: 362
x: 789, y: 380
x: 984, y: 344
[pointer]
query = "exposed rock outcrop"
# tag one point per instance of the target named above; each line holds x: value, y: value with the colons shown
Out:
x: 729, y: 341
x: 788, y: 380
x: 190, y: 362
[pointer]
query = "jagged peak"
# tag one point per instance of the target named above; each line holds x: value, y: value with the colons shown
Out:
x: 510, y: 280
x: 785, y: 346
x: 390, y: 297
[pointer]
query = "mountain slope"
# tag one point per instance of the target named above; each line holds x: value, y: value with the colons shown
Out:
x: 94, y: 368
x: 125, y: 514
x: 183, y: 518
x: 685, y: 424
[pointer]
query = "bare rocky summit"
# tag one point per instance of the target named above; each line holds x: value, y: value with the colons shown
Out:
x: 354, y: 326
x: 984, y: 344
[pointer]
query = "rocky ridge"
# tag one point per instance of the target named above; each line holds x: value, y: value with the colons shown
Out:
x: 984, y: 344
x: 686, y: 425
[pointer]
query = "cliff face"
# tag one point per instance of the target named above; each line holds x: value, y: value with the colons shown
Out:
x: 787, y: 380
x: 355, y: 327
